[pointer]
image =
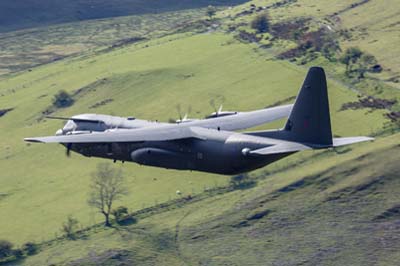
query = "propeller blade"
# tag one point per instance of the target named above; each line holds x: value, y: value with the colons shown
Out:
x: 179, y: 110
x: 220, y: 109
x: 212, y: 103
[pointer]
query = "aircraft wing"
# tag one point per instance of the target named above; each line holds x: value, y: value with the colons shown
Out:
x: 164, y: 133
x: 243, y: 120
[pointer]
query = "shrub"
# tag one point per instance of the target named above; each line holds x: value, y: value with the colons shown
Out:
x: 119, y: 213
x: 70, y: 227
x: 5, y: 248
x: 260, y: 23
x: 242, y: 181
x: 358, y: 61
x: 211, y: 11
x: 62, y: 99
x: 30, y: 248
x: 351, y: 56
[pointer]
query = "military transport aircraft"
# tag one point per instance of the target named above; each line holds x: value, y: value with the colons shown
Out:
x: 208, y: 145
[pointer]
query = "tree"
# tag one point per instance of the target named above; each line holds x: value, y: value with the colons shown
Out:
x: 260, y: 23
x: 211, y: 11
x: 70, y: 227
x: 107, y: 186
x: 5, y: 248
x: 351, y: 56
x: 365, y: 63
x: 62, y: 99
x: 30, y: 248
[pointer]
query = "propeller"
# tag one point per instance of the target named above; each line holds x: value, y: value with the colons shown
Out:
x: 216, y: 111
x: 179, y: 110
x: 185, y: 117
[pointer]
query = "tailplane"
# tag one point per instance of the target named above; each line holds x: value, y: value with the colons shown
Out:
x: 309, y: 121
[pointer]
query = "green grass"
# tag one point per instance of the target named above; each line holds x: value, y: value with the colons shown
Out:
x: 20, y: 50
x: 146, y: 81
x: 309, y: 223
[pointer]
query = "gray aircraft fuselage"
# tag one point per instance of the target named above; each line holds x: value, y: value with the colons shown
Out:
x: 222, y: 153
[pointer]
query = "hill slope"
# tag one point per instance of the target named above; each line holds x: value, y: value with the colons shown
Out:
x: 145, y: 80
x: 33, y: 13
x: 341, y: 211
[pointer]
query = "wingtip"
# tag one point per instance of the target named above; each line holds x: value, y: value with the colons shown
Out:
x: 34, y: 140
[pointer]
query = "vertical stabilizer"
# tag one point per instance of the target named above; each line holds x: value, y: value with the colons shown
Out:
x: 309, y: 120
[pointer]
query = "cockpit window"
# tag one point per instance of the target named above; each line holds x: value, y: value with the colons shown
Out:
x: 69, y: 126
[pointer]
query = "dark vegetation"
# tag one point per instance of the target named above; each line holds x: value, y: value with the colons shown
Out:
x: 261, y: 23
x: 101, y: 103
x: 369, y: 102
x: 242, y: 181
x: 123, y: 217
x: 62, y: 99
x: 322, y: 41
x: 359, y: 62
x: 210, y: 11
x: 391, y: 213
x: 10, y: 254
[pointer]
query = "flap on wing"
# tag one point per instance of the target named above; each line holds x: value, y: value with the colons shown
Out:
x: 133, y: 135
x: 284, y: 147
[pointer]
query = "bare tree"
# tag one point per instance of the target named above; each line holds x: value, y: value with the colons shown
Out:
x: 107, y: 186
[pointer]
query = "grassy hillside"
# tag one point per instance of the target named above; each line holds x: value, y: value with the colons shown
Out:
x: 340, y: 211
x: 350, y: 188
x: 33, y: 13
x: 23, y: 49
x: 147, y: 81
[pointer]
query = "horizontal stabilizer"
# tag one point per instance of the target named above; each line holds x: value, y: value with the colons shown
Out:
x: 284, y: 147
x: 337, y: 142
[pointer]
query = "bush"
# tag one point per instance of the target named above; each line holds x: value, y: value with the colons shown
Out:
x: 242, y: 181
x: 70, y: 227
x: 128, y: 220
x: 261, y: 23
x: 62, y: 99
x: 5, y: 248
x: 119, y: 213
x: 211, y: 11
x: 30, y: 248
x: 358, y: 61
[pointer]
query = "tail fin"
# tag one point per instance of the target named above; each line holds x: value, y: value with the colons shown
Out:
x: 309, y: 123
x: 309, y: 120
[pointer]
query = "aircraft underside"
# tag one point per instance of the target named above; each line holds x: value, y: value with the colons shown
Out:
x: 218, y: 157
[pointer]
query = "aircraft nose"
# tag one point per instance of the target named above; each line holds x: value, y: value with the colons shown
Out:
x: 59, y: 132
